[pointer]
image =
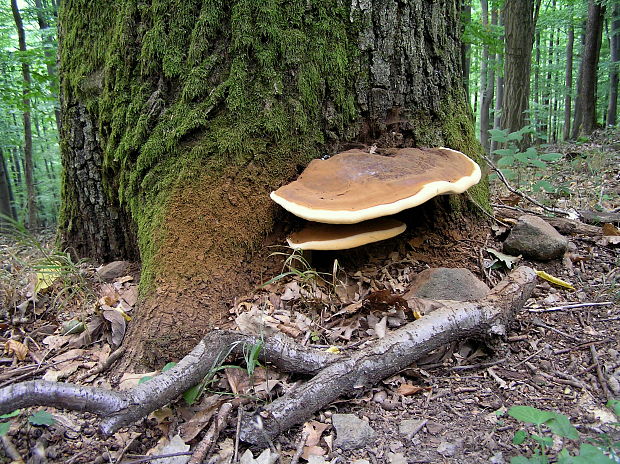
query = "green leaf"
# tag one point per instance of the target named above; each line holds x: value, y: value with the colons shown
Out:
x: 614, y: 405
x: 530, y: 415
x: 192, y: 394
x: 543, y: 441
x: 505, y: 161
x: 519, y: 437
x: 168, y: 366
x: 4, y: 428
x: 589, y: 454
x: 509, y: 174
x: 564, y: 457
x: 522, y: 158
x: 505, y: 151
x: 538, y: 163
x: 551, y: 156
x: 144, y: 379
x: 560, y: 425
x: 15, y: 413
x: 499, y: 135
x: 520, y: 460
x: 531, y: 153
x: 543, y: 185
x: 515, y: 136
x: 41, y: 418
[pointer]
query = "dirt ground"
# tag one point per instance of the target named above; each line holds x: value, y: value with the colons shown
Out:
x: 562, y: 353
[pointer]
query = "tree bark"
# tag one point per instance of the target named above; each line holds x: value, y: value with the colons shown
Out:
x: 486, y: 82
x: 465, y: 46
x: 28, y: 163
x: 614, y: 43
x: 178, y: 118
x: 568, y: 81
x: 588, y: 75
x: 499, y: 88
x: 519, y: 22
x: 6, y: 194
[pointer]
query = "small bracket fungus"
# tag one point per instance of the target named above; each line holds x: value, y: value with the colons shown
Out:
x: 355, y: 186
x: 317, y: 236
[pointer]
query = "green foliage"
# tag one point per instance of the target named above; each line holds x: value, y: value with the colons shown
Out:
x: 549, y: 423
x: 42, y: 418
x: 512, y: 159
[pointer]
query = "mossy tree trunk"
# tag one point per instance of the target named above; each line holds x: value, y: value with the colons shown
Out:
x: 179, y: 118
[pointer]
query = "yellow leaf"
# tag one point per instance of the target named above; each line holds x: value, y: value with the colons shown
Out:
x: 554, y: 280
x: 46, y: 276
x: 417, y: 315
x: 126, y: 316
x: 17, y: 348
x: 333, y: 349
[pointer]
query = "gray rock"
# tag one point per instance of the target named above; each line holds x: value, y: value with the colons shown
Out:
x: 113, y: 270
x: 396, y: 458
x: 534, y: 238
x: 446, y: 448
x: 447, y: 284
x: 408, y: 428
x: 351, y: 432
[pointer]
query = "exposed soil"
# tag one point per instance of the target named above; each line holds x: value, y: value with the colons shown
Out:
x: 554, y: 358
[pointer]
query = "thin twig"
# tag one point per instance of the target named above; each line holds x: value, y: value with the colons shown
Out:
x: 11, y: 450
x: 210, y: 437
x: 599, y: 373
x: 569, y: 307
x: 582, y: 346
x: 103, y: 366
x: 300, y: 446
x: 501, y: 176
x: 159, y: 456
x: 237, y: 432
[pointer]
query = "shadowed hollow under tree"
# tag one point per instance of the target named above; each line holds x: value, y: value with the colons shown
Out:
x: 179, y: 118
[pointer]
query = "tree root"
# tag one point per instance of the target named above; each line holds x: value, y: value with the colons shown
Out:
x: 334, y: 375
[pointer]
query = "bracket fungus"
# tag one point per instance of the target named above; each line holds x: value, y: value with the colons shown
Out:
x: 355, y: 186
x: 316, y: 236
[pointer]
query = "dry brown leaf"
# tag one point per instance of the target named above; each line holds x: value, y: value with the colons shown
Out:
x: 610, y: 230
x: 209, y: 406
x: 130, y: 295
x: 407, y: 389
x: 313, y: 451
x: 238, y: 380
x: 315, y: 429
x: 13, y: 347
x: 118, y: 325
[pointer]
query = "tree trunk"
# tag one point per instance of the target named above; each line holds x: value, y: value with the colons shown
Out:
x: 466, y: 46
x: 486, y: 82
x: 499, y: 88
x: 49, y: 49
x: 179, y: 118
x: 588, y: 71
x: 6, y: 193
x: 519, y: 22
x: 614, y: 43
x: 28, y: 164
x: 568, y: 80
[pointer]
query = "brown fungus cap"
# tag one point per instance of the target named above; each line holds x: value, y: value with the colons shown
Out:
x: 355, y: 186
x: 317, y: 236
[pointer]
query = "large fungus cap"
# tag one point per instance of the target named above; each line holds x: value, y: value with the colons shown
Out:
x: 316, y: 236
x: 355, y: 186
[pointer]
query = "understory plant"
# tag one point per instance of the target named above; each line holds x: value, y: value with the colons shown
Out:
x: 603, y: 449
x: 513, y: 160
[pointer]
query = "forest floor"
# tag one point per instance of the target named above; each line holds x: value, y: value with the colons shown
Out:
x: 450, y: 407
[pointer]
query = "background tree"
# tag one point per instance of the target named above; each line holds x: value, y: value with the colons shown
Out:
x: 614, y: 44
x: 27, y: 81
x: 178, y: 118
x: 519, y: 21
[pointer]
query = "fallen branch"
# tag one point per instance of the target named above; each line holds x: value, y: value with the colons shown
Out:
x: 335, y: 375
x: 454, y: 321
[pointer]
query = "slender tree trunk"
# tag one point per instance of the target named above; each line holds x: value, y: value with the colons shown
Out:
x: 6, y: 193
x: 534, y: 116
x: 519, y: 22
x: 614, y: 43
x: 588, y: 78
x: 465, y: 46
x: 544, y: 111
x: 485, y: 82
x: 49, y: 50
x: 178, y: 118
x: 578, y: 116
x: 568, y: 82
x: 499, y: 92
x: 28, y: 164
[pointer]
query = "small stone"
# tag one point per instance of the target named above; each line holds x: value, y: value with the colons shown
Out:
x: 389, y: 405
x: 351, y: 432
x: 614, y: 385
x: 497, y: 458
x: 396, y: 458
x: 113, y: 270
x: 380, y: 396
x: 535, y: 238
x: 447, y: 284
x: 408, y: 428
x: 360, y: 461
x: 447, y: 449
